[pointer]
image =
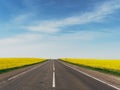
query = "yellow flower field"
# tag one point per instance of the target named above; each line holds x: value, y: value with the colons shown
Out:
x: 6, y: 63
x: 96, y: 63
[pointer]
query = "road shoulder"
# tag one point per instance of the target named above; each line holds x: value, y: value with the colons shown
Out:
x: 7, y: 75
x: 110, y: 79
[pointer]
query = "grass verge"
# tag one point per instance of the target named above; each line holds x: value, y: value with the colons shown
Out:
x: 14, y: 68
x: 104, y: 70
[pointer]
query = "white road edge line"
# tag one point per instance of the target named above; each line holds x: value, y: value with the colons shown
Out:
x: 53, y: 83
x: 20, y: 74
x: 92, y: 77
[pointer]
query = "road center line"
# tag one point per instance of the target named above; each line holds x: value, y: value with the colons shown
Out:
x: 91, y: 76
x: 53, y: 66
x: 53, y: 83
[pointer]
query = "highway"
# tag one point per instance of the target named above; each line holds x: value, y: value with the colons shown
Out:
x: 53, y: 75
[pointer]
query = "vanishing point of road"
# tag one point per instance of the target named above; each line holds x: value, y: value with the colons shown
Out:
x: 53, y: 75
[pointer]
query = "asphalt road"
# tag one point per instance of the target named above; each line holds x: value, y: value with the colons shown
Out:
x: 53, y: 75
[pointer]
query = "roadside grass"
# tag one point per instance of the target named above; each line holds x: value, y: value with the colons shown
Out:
x: 19, y: 67
x: 104, y: 70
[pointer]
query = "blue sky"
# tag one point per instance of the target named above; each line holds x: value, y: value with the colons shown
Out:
x: 60, y: 28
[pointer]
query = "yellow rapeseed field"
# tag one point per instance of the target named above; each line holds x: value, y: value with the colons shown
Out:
x: 97, y: 63
x: 17, y: 62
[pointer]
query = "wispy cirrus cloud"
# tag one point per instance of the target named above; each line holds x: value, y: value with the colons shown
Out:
x: 42, y: 37
x: 97, y: 15
x: 21, y: 19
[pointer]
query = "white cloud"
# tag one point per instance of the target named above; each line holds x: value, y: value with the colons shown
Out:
x: 70, y: 45
x: 21, y: 19
x: 55, y: 48
x: 47, y: 27
x: 29, y: 37
x: 53, y: 26
x: 81, y: 36
x: 20, y: 39
x: 65, y: 45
